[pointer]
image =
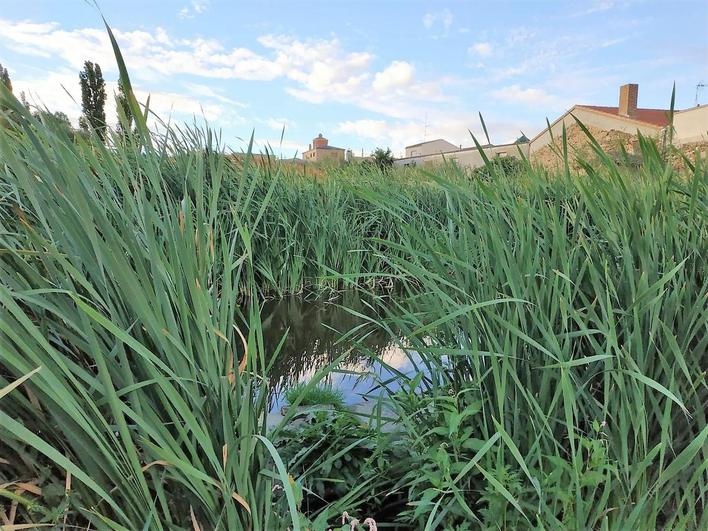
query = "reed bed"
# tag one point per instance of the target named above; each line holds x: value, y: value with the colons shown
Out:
x: 559, y: 325
x: 563, y: 322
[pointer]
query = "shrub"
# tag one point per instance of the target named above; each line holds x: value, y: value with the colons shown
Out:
x: 500, y: 167
x: 315, y: 396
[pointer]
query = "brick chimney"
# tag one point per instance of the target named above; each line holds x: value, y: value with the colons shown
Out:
x: 628, y: 99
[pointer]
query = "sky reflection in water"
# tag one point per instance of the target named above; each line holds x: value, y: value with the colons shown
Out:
x: 314, y: 341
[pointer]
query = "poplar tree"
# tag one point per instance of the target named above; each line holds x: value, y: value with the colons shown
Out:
x: 125, y: 115
x: 5, y: 78
x: 93, y: 99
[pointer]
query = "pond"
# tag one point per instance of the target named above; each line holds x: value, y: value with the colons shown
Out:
x: 315, y: 330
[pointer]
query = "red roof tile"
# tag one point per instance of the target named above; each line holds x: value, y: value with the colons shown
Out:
x: 657, y: 117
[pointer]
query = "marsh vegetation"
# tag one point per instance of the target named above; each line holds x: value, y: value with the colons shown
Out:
x: 555, y: 324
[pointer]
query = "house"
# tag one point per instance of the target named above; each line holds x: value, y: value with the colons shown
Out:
x: 431, y: 147
x: 617, y: 127
x: 691, y: 127
x: 441, y: 151
x: 320, y: 151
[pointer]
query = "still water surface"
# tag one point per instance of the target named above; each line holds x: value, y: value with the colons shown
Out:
x: 314, y: 340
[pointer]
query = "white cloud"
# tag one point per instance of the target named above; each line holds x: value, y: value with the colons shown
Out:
x: 600, y: 6
x: 428, y: 20
x: 278, y: 123
x: 528, y: 96
x: 377, y: 130
x: 60, y: 91
x: 196, y: 7
x: 319, y: 70
x: 197, y: 89
x: 518, y: 36
x: 283, y: 149
x: 167, y: 104
x: 322, y: 68
x: 57, y: 91
x: 148, y: 54
x: 200, y: 6
x: 397, y: 74
x: 483, y: 49
x: 324, y: 72
x: 446, y: 18
x: 443, y: 18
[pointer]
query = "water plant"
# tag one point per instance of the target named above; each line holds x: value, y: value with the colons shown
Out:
x: 558, y: 323
x: 321, y: 395
x: 563, y: 320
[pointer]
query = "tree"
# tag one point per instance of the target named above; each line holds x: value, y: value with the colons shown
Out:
x: 383, y: 158
x: 500, y: 167
x: 5, y: 78
x: 125, y: 116
x: 93, y: 99
x: 23, y: 99
x: 57, y: 121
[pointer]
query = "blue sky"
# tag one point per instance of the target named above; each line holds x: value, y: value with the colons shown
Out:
x: 364, y: 73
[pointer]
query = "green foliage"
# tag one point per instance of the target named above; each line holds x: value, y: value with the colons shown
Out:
x: 383, y: 158
x: 306, y: 395
x: 569, y: 314
x: 5, y: 78
x: 6, y: 84
x: 57, y: 121
x: 342, y: 463
x: 93, y: 99
x: 124, y: 292
x: 317, y: 440
x: 442, y: 441
x: 558, y: 325
x: 501, y: 167
x: 125, y: 116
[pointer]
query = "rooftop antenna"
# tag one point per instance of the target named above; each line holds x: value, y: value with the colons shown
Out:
x: 699, y: 87
x: 425, y: 131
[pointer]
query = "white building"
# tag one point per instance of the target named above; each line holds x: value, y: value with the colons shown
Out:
x: 691, y: 126
x: 441, y: 151
x: 431, y: 147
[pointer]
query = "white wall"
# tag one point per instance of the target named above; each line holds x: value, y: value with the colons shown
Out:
x: 430, y: 148
x: 691, y: 126
x: 468, y: 157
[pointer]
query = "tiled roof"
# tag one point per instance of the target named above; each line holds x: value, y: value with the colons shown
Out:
x: 657, y: 117
x: 325, y: 148
x: 430, y: 142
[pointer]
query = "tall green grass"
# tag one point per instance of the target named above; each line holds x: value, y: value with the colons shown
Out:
x: 126, y: 270
x: 123, y: 287
x: 563, y: 322
x: 559, y: 324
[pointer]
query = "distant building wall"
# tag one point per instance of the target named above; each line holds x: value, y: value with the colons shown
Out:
x: 467, y: 157
x: 593, y: 119
x: 324, y: 154
x: 691, y: 126
x: 320, y: 151
x: 611, y: 141
x: 430, y: 148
